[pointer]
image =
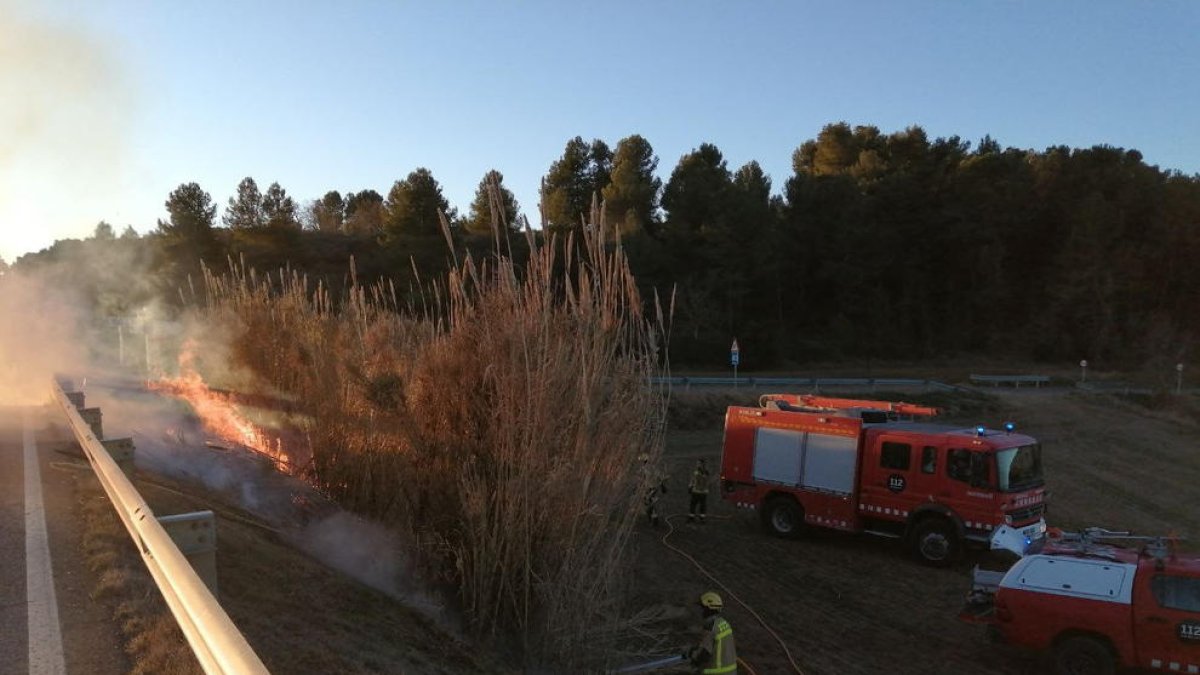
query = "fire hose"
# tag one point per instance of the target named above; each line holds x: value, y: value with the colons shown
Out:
x: 729, y: 593
x: 648, y: 666
x: 666, y: 662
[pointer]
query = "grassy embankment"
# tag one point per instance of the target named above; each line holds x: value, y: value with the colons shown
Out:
x: 298, y: 615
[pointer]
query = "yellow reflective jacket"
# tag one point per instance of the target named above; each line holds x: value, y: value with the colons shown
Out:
x: 720, y: 655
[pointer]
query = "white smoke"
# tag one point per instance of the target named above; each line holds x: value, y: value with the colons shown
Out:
x: 39, y: 336
x: 64, y: 106
x: 170, y: 441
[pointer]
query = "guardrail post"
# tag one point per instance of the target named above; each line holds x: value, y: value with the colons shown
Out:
x: 195, y: 534
x: 93, y: 418
x: 121, y: 450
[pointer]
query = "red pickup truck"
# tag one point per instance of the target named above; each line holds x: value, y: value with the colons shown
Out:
x: 1097, y: 603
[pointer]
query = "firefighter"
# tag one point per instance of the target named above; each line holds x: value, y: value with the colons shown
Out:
x: 716, y: 653
x: 698, y: 489
x: 656, y: 487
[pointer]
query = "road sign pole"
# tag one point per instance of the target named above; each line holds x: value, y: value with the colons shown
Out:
x: 734, y: 357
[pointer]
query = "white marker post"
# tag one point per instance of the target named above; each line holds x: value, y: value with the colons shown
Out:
x: 1083, y: 371
x: 734, y: 357
x: 1178, y: 379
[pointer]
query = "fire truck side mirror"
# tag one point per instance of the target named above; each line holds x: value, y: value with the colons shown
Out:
x: 1005, y: 538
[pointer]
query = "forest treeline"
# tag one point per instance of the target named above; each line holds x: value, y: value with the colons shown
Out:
x: 882, y: 246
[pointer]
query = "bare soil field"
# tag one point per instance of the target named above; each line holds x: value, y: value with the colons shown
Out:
x: 859, y: 604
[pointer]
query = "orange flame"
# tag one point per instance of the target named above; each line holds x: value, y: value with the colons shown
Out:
x: 219, y: 415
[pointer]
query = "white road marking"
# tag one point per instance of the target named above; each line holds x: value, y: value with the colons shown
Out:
x: 45, y: 636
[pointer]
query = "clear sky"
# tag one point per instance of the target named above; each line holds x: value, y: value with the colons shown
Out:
x: 105, y: 107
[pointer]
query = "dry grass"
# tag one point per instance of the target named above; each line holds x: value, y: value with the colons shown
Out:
x: 497, y: 422
x: 297, y: 614
x: 151, y: 637
x: 300, y: 615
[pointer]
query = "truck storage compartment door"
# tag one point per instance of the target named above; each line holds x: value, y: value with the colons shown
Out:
x: 777, y: 456
x: 1089, y: 579
x: 829, y: 463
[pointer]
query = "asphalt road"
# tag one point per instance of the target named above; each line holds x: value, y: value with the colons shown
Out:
x: 48, y: 622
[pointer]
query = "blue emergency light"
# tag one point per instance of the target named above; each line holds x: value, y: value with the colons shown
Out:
x: 1009, y: 427
x: 979, y: 430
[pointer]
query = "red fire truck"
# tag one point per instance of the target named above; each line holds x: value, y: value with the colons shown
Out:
x: 880, y: 467
x: 1097, y: 603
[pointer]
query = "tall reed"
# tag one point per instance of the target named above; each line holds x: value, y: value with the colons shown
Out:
x: 497, y: 421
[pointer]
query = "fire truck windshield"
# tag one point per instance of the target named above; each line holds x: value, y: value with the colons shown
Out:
x: 1020, y: 468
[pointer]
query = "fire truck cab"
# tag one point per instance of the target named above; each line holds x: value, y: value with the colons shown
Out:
x: 1097, y: 606
x: 880, y: 467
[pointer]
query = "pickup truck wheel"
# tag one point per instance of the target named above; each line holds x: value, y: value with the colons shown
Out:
x: 783, y: 517
x: 1083, y: 656
x: 935, y: 542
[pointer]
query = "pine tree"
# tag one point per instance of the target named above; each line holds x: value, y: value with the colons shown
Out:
x: 191, y: 213
x: 245, y: 209
x: 187, y: 235
x: 631, y: 197
x: 329, y: 213
x: 364, y: 213
x: 582, y: 172
x: 103, y: 232
x: 413, y: 205
x: 697, y: 193
x: 491, y: 191
x: 278, y: 209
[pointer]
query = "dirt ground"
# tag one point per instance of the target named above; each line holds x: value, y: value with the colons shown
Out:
x: 857, y: 604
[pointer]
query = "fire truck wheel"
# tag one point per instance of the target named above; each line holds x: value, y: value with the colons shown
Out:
x: 1083, y: 656
x: 783, y: 517
x: 935, y: 542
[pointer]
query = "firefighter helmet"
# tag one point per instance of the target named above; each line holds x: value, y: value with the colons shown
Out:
x: 710, y: 600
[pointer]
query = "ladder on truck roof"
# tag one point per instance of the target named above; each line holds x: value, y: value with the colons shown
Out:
x: 1088, y: 541
x: 814, y: 403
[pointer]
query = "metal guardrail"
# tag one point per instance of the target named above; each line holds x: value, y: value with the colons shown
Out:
x: 219, y: 646
x: 794, y: 382
x: 1015, y: 380
x: 815, y: 383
